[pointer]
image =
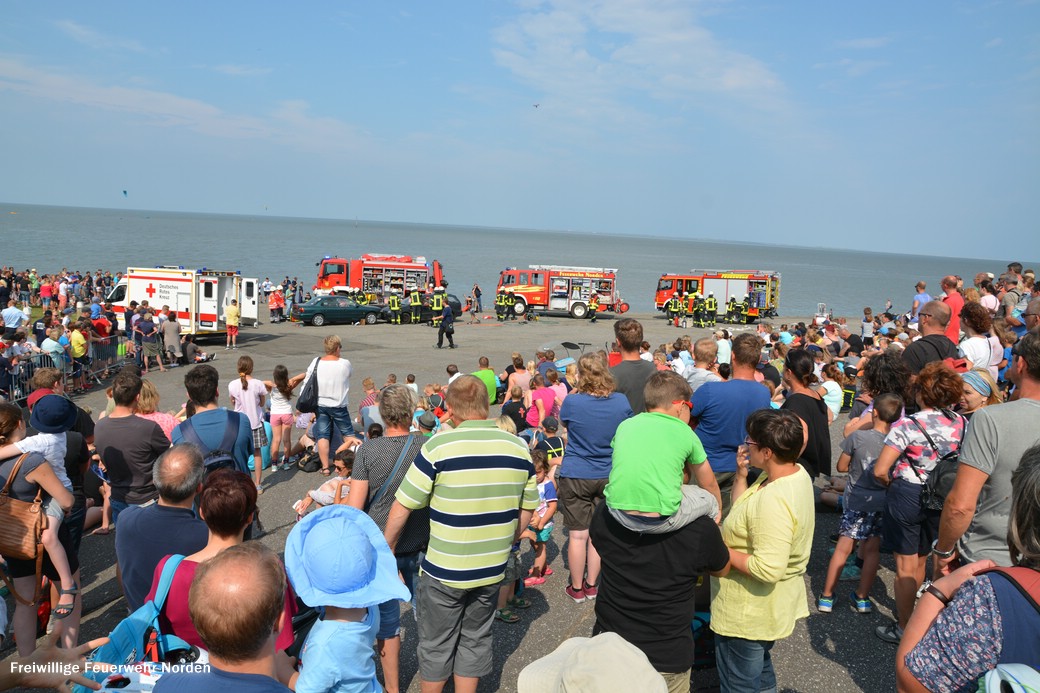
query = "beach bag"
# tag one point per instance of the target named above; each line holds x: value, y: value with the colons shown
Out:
x: 308, y: 399
x: 310, y: 463
x: 138, y: 638
x: 21, y: 531
x: 940, y: 481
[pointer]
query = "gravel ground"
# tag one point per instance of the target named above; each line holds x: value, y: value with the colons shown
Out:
x: 826, y: 652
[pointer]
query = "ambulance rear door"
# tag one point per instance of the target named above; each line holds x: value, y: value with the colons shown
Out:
x: 248, y: 299
x: 207, y: 305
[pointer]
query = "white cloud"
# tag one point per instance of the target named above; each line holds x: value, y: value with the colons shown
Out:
x: 852, y: 68
x: 602, y: 56
x: 867, y: 43
x: 289, y: 123
x: 96, y: 40
x: 242, y: 70
x: 994, y: 42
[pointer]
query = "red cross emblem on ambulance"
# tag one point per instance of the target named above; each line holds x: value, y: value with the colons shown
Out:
x: 150, y: 290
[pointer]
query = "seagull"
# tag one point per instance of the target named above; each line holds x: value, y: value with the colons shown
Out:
x: 537, y: 105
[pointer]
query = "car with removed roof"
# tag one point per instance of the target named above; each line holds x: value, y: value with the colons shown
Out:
x: 332, y: 310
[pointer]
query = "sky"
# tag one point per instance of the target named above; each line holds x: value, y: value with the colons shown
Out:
x: 892, y: 126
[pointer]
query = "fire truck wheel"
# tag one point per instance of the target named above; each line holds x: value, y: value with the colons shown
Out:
x: 370, y: 318
x: 579, y: 311
x: 520, y: 307
x: 623, y: 308
x: 318, y: 320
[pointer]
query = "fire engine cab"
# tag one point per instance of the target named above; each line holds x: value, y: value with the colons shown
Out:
x: 555, y: 288
x: 762, y: 287
x: 198, y: 296
x: 378, y: 274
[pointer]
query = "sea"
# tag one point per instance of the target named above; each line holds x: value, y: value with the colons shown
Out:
x: 49, y: 238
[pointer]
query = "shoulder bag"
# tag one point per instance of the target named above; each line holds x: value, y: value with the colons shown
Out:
x: 307, y: 402
x: 939, y: 483
x: 397, y: 467
x: 21, y: 530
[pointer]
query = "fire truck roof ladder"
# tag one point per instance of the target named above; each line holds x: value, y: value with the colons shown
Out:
x: 565, y: 268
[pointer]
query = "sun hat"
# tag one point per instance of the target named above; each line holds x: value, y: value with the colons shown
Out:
x: 53, y: 414
x: 591, y: 665
x: 428, y: 420
x: 336, y: 556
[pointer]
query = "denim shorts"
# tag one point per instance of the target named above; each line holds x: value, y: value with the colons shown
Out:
x: 326, y: 418
x: 907, y: 528
x: 390, y: 612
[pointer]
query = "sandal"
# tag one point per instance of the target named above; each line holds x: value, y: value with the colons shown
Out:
x: 519, y: 602
x: 326, y: 472
x: 64, y: 610
x: 506, y: 615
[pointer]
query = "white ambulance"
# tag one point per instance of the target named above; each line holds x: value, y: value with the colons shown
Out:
x: 199, y: 296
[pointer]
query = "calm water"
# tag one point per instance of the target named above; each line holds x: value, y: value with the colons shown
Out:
x: 50, y: 238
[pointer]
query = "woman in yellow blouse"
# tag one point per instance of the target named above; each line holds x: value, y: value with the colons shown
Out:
x: 769, y: 533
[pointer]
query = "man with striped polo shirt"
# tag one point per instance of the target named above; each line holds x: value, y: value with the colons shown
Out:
x: 480, y: 486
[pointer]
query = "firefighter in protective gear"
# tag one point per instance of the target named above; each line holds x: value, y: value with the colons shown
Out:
x: 437, y: 304
x: 361, y: 298
x: 510, y: 306
x: 685, y: 310
x: 500, y: 304
x: 673, y: 308
x: 742, y: 310
x: 394, y: 303
x: 415, y: 304
x: 593, y: 305
x: 711, y: 309
x: 697, y: 301
x: 731, y: 310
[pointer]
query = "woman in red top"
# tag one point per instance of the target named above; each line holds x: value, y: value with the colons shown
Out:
x: 227, y: 504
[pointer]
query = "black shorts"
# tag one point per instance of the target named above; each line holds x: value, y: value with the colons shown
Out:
x: 579, y: 499
x: 907, y: 528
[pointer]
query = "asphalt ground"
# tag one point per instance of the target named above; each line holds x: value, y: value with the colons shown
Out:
x: 826, y: 652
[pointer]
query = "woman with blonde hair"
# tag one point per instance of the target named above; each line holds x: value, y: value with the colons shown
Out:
x: 590, y: 415
x: 147, y: 407
x: 980, y: 390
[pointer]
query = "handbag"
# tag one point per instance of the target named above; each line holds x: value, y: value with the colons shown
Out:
x: 397, y: 466
x: 308, y: 399
x: 940, y: 480
x: 21, y: 530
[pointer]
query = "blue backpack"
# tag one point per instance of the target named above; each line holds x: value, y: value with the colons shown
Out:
x: 138, y: 638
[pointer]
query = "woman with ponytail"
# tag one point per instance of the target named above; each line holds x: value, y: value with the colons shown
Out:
x: 247, y: 394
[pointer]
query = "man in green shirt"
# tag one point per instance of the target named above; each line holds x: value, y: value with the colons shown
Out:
x: 488, y: 377
x: 480, y: 486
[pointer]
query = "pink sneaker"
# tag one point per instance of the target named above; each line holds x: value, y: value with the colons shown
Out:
x: 577, y: 595
x: 590, y: 591
x: 533, y: 580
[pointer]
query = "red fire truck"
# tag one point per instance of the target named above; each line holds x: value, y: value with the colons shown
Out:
x: 555, y: 288
x: 377, y: 274
x: 762, y: 287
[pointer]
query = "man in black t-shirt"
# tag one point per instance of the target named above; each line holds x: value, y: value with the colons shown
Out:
x: 934, y: 345
x: 633, y: 372
x: 646, y: 592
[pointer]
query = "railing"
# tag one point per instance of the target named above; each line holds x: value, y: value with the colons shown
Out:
x: 104, y: 357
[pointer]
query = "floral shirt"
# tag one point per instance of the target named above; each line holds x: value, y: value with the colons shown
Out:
x: 963, y: 643
x: 907, y: 438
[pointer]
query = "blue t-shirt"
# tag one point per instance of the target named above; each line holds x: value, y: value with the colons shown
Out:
x: 591, y: 423
x: 921, y: 298
x: 337, y: 657
x: 146, y: 536
x: 217, y: 681
x: 863, y: 493
x: 721, y: 410
x: 209, y: 425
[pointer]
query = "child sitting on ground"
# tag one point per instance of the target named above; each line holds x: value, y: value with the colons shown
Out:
x: 864, y: 503
x: 52, y: 416
x: 656, y: 456
x: 338, y: 562
x: 540, y: 529
x: 333, y: 491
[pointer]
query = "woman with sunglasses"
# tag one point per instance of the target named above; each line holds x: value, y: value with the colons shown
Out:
x: 769, y: 532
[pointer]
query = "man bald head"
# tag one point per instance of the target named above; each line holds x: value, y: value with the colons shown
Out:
x: 236, y: 602
x: 949, y: 283
x: 177, y: 474
x: 933, y: 318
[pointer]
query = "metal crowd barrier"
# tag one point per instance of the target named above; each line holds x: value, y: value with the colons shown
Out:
x: 106, y: 356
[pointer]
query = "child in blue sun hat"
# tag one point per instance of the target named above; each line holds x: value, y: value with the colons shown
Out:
x: 338, y: 561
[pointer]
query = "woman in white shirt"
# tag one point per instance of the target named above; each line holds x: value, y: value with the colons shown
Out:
x: 248, y: 394
x: 281, y: 388
x: 981, y: 348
